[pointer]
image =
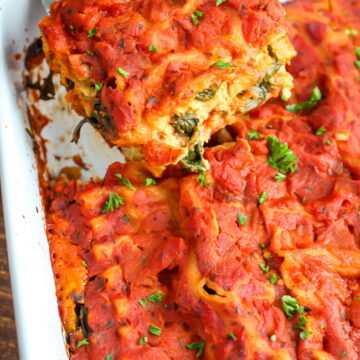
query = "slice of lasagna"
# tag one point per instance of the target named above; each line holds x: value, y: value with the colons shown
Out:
x: 159, y: 77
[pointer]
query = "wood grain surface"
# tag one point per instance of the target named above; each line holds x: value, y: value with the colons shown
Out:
x: 8, y: 346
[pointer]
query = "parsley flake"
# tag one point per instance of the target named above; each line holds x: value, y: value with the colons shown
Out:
x: 357, y: 51
x: 122, y: 72
x: 142, y: 302
x: 152, y: 48
x: 273, y: 337
x: 150, y: 181
x: 222, y: 65
x: 280, y: 177
x: 304, y: 334
x: 262, y: 246
x: 84, y: 263
x: 153, y: 329
x: 327, y: 142
x: 343, y: 354
x: 91, y: 32
x: 199, y: 346
x: 143, y: 340
x: 323, y: 326
x: 125, y: 181
x: 109, y: 357
x: 281, y: 157
x: 232, y: 336
x: 351, y: 32
x: 264, y: 267
x: 289, y: 305
x: 114, y: 202
x: 90, y: 53
x: 71, y: 27
x: 82, y: 343
x: 202, y: 180
x: 155, y: 298
x: 273, y: 279
x: 252, y: 135
x: 262, y: 198
x: 242, y: 219
x: 194, y: 17
x: 357, y: 64
x: 219, y: 2
x: 315, y: 97
x: 98, y: 86
x: 320, y: 131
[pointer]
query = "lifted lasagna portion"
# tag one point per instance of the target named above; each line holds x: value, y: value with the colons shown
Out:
x: 161, y: 76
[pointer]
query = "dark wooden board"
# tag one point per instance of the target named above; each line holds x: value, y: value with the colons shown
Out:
x: 8, y: 345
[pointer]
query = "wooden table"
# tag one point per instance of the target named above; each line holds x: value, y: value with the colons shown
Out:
x: 8, y: 346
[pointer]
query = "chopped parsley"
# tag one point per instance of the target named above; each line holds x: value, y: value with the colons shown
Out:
x: 114, y: 202
x: 142, y: 302
x: 351, y: 32
x: 252, y: 135
x: 262, y: 246
x: 343, y: 354
x: 98, y: 86
x: 343, y: 316
x: 323, y: 326
x: 285, y: 95
x: 219, y: 2
x: 143, y: 340
x: 152, y: 48
x: 199, y: 346
x: 155, y: 298
x: 82, y: 343
x: 280, y: 177
x: 262, y: 197
x: 91, y: 32
x: 273, y: 337
x: 281, y: 157
x: 357, y: 64
x: 90, y: 53
x: 109, y: 357
x: 320, y: 131
x: 273, y: 279
x: 153, y: 329
x: 242, y: 219
x: 232, y: 336
x: 304, y: 334
x: 357, y: 51
x: 150, y: 181
x: 222, y: 64
x: 125, y: 181
x: 122, y: 72
x: 195, y: 17
x: 327, y: 142
x: 264, y: 267
x: 315, y: 97
x: 202, y: 180
x: 71, y: 27
x: 290, y: 305
x: 84, y: 263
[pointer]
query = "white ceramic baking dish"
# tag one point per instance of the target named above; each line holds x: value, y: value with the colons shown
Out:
x: 40, y: 335
x: 38, y: 325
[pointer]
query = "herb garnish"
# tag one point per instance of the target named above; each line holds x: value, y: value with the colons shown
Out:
x: 125, y: 181
x: 98, y: 86
x: 242, y: 219
x: 109, y: 357
x: 155, y: 298
x: 222, y: 65
x: 315, y: 97
x: 273, y: 337
x: 122, y: 72
x: 219, y: 2
x: 153, y: 329
x: 253, y: 135
x: 143, y: 340
x: 202, y: 180
x: 150, y: 181
x: 82, y: 343
x: 232, y: 336
x: 273, y: 279
x: 152, y: 48
x: 90, y: 53
x: 114, y: 202
x: 320, y: 131
x: 281, y: 157
x: 264, y: 267
x: 280, y: 177
x: 200, y: 346
x: 262, y: 197
x: 91, y: 32
x: 142, y: 302
x: 194, y: 17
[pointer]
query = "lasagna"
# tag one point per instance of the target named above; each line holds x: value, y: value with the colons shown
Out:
x: 258, y: 257
x: 158, y: 78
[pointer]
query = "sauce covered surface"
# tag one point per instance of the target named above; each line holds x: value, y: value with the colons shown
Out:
x: 259, y: 257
